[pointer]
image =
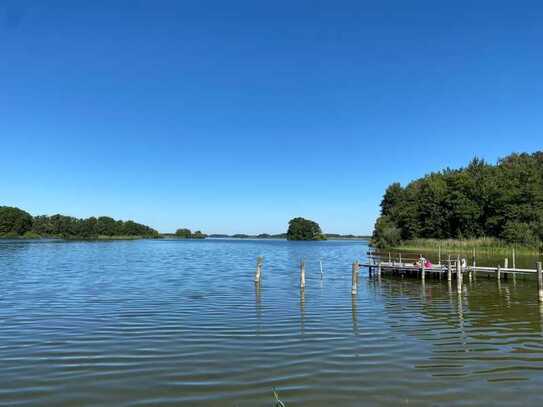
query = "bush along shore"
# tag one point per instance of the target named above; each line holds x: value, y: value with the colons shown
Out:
x: 18, y: 224
x: 480, y: 206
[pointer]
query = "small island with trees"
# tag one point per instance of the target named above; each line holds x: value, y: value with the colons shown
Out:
x: 304, y: 229
x: 188, y: 234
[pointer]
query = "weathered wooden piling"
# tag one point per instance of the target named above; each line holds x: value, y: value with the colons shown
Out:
x: 506, y: 263
x: 422, y: 269
x: 539, y: 281
x: 302, y: 274
x: 514, y: 259
x: 354, y: 287
x: 499, y: 272
x: 322, y: 271
x: 449, y: 270
x: 401, y: 260
x: 439, y: 260
x: 357, y: 266
x: 458, y: 276
x: 258, y: 273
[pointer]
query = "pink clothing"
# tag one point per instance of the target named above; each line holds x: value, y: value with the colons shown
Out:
x: 428, y: 264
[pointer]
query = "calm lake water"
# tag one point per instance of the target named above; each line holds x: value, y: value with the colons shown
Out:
x: 180, y: 323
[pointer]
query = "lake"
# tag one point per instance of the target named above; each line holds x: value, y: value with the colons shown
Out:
x: 181, y: 323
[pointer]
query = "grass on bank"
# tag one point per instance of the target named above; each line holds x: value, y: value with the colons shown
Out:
x: 487, y: 245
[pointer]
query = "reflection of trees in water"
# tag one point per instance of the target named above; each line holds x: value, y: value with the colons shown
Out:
x: 483, y: 304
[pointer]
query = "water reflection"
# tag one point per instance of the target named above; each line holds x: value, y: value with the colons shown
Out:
x: 258, y: 307
x: 83, y: 323
x: 354, y: 314
x: 302, y: 311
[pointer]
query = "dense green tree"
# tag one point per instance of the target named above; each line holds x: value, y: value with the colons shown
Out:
x: 503, y: 201
x: 198, y: 235
x: 183, y: 233
x: 14, y: 221
x: 386, y: 233
x: 304, y: 229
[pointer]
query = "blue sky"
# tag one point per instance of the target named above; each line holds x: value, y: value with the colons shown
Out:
x: 237, y: 116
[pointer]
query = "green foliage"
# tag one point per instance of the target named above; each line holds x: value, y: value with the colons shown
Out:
x: 31, y: 235
x: 198, y: 235
x: 183, y: 233
x: 386, y: 233
x: 276, y: 400
x: 187, y: 234
x: 304, y: 229
x: 503, y: 201
x: 18, y: 223
x: 14, y: 221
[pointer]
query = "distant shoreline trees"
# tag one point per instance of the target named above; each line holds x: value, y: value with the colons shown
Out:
x: 503, y: 201
x: 15, y: 223
x: 304, y: 229
x: 187, y: 234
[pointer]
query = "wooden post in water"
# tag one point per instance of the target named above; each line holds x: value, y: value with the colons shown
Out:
x: 389, y: 258
x: 322, y: 271
x: 458, y: 276
x: 539, y: 281
x: 357, y: 264
x: 439, y: 255
x: 499, y: 272
x: 514, y: 259
x: 449, y: 270
x: 506, y: 263
x: 379, y: 270
x: 422, y: 270
x: 258, y: 273
x: 353, y: 288
x: 302, y: 274
x: 400, y: 259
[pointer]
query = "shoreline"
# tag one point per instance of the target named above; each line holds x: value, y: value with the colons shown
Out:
x: 483, y: 245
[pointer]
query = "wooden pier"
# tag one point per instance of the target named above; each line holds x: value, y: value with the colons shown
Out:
x: 415, y: 267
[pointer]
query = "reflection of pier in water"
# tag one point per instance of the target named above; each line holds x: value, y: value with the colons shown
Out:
x: 481, y: 304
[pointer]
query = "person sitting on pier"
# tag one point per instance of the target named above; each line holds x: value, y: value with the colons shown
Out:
x: 424, y: 261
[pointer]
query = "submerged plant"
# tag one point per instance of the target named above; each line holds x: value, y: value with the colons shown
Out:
x: 276, y: 401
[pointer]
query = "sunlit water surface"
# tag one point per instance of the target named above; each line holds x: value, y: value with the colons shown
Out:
x: 172, y: 323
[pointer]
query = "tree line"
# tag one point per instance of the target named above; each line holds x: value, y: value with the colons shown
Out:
x: 503, y: 201
x: 15, y: 222
x: 188, y: 234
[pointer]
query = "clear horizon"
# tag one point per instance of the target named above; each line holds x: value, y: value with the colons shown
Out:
x: 234, y: 118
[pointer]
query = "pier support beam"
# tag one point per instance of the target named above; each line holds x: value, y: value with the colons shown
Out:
x: 458, y: 276
x: 354, y: 287
x: 258, y: 273
x: 540, y: 281
x: 449, y: 270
